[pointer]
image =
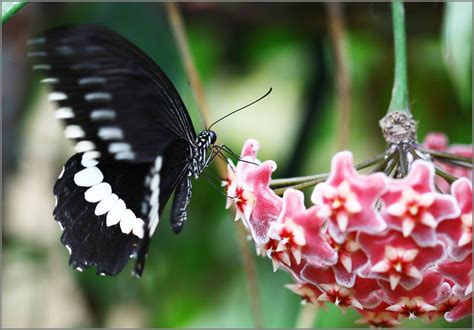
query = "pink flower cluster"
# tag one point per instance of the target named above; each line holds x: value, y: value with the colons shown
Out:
x: 388, y: 248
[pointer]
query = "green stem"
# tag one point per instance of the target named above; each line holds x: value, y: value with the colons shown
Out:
x: 399, y: 101
x: 444, y: 155
x: 10, y: 8
x: 448, y: 177
x: 303, y: 179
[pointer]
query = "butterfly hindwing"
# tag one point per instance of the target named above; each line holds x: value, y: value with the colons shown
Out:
x: 100, y: 208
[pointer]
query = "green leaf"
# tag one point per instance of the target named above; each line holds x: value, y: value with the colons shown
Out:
x: 457, y: 43
x: 10, y: 8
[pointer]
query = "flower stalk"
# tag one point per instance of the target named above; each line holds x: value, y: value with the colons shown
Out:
x: 399, y: 101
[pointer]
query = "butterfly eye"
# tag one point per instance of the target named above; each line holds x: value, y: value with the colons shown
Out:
x: 213, y: 136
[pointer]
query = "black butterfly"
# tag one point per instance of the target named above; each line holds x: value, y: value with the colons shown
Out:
x: 135, y: 145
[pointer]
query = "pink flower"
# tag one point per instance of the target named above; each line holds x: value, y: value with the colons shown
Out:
x: 397, y: 259
x: 413, y: 207
x: 308, y: 293
x: 418, y: 301
x: 378, y: 317
x: 347, y: 199
x: 436, y: 141
x: 461, y: 273
x: 248, y: 184
x: 443, y: 308
x: 340, y: 296
x: 297, y: 233
x: 350, y: 258
x: 459, y: 230
x: 462, y: 309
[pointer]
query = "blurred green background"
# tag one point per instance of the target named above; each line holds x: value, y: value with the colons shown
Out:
x: 241, y: 49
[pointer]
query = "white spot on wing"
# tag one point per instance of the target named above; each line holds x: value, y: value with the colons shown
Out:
x: 64, y: 113
x: 106, y: 204
x: 88, y: 177
x: 98, y: 96
x: 79, y: 269
x: 98, y: 192
x: 127, y: 221
x: 68, y: 249
x: 125, y: 155
x: 154, y: 198
x: 57, y: 96
x: 88, y: 162
x: 102, y: 114
x: 109, y: 133
x: 158, y: 163
x: 92, y: 80
x: 41, y: 67
x: 83, y: 146
x: 61, y: 174
x: 36, y: 41
x: 91, y: 155
x: 114, y: 215
x: 138, y: 228
x: 49, y: 80
x: 74, y: 132
x: 115, y: 147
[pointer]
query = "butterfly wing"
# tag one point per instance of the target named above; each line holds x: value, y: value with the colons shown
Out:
x: 112, y: 97
x: 132, y: 135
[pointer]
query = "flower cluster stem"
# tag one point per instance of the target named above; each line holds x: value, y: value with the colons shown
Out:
x: 399, y: 101
x: 179, y: 33
x: 312, y: 180
x: 444, y: 155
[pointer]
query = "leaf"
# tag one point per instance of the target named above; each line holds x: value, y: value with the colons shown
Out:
x: 457, y: 43
x: 10, y: 8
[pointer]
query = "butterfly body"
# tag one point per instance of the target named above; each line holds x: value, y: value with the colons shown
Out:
x: 134, y: 140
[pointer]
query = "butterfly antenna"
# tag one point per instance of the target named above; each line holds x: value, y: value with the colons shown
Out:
x: 233, y: 154
x: 231, y: 113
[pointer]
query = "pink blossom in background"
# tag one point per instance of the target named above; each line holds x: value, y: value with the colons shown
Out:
x: 439, y: 142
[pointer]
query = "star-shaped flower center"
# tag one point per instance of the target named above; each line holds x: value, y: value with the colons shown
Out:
x: 239, y: 199
x: 340, y: 296
x: 398, y: 263
x: 278, y: 257
x: 338, y: 203
x: 412, y: 209
x: 286, y: 239
x: 379, y: 320
x: 344, y: 250
x: 307, y: 294
x: 412, y: 307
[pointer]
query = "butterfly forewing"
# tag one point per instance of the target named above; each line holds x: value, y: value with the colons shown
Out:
x: 132, y: 135
x: 110, y: 94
